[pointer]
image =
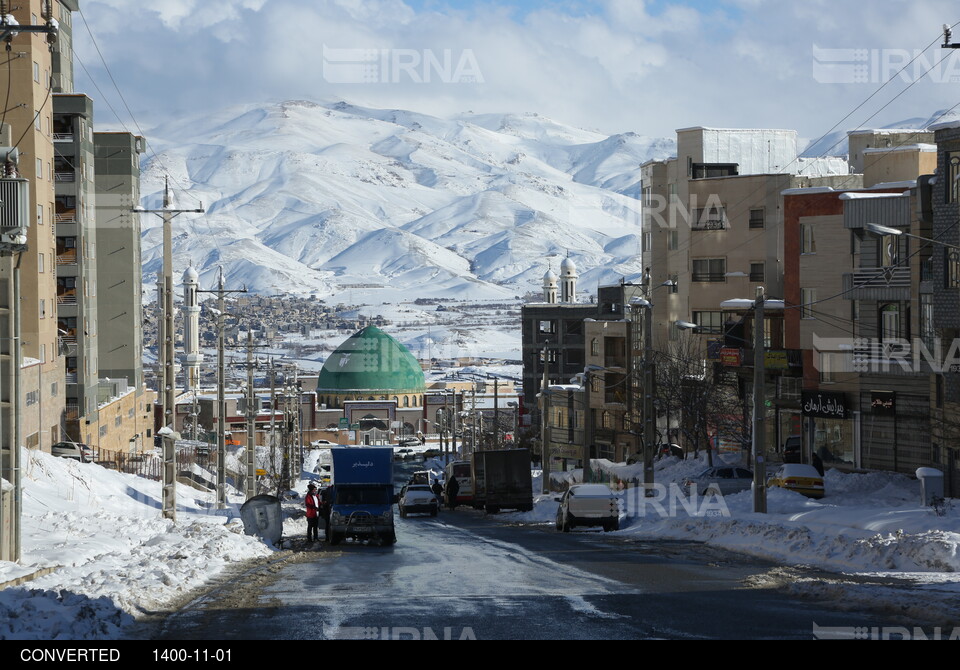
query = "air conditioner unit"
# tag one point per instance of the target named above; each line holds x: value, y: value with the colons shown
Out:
x: 14, y: 214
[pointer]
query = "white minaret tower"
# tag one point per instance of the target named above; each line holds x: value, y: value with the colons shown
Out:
x: 568, y: 281
x: 191, y: 329
x: 550, y: 287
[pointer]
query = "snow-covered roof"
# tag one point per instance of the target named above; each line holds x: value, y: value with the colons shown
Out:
x: 806, y: 191
x: 859, y: 195
x: 887, y: 131
x: 921, y: 147
x: 946, y: 125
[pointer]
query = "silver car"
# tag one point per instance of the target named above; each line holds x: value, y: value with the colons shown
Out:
x: 722, y: 479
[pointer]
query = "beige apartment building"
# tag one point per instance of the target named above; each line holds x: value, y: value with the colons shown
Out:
x: 713, y: 223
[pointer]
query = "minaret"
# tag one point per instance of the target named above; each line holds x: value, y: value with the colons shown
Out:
x: 568, y: 281
x: 191, y: 329
x: 550, y: 287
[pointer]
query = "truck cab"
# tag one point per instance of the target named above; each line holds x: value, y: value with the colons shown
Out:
x: 362, y: 496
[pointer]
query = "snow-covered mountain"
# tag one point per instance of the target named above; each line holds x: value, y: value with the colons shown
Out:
x: 303, y: 197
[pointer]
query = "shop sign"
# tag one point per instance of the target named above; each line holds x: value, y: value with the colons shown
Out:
x: 824, y: 404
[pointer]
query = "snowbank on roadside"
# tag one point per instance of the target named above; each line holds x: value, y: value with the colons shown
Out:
x: 109, y: 552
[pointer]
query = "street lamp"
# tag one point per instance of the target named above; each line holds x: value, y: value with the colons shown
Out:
x: 877, y: 229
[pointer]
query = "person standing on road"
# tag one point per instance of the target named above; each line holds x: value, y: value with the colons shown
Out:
x: 453, y: 488
x: 437, y: 489
x: 313, y: 504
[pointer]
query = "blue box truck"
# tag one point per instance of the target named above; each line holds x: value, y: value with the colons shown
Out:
x: 362, y: 498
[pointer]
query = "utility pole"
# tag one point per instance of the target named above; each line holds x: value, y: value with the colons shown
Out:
x: 221, y: 391
x: 496, y: 414
x: 759, y: 407
x: 545, y: 419
x: 249, y: 480
x: 649, y: 393
x: 166, y: 347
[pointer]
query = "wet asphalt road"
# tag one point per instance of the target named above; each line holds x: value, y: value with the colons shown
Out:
x: 463, y: 575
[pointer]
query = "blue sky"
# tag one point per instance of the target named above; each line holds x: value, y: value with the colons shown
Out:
x: 609, y: 65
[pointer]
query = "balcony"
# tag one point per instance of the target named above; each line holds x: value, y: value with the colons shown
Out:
x: 68, y: 258
x: 69, y: 216
x: 891, y: 283
x: 63, y: 137
x: 65, y: 176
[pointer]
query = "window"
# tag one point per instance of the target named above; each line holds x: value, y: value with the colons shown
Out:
x: 927, y: 332
x: 39, y: 215
x: 549, y: 327
x: 757, y: 273
x: 647, y: 241
x: 53, y: 390
x: 892, y: 325
x: 807, y: 243
x: 709, y: 322
x: 828, y: 368
x: 673, y: 240
x: 953, y: 171
x: 36, y: 72
x: 709, y: 269
x: 39, y: 169
x: 709, y: 218
x: 594, y: 347
x: 952, y: 266
x: 33, y: 397
x: 704, y: 170
x: 103, y: 431
x: 40, y: 264
x: 888, y: 251
x: 756, y: 218
x: 808, y: 296
x: 43, y: 309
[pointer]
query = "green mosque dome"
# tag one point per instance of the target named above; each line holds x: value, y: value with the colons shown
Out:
x: 368, y: 361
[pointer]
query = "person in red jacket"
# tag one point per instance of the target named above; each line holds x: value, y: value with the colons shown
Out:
x: 313, y: 514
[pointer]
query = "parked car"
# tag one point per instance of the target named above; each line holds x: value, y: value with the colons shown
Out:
x: 723, y: 480
x: 402, y: 454
x: 431, y: 453
x: 409, y: 441
x: 418, y: 499
x: 791, y: 449
x: 73, y: 450
x: 588, y: 505
x: 322, y: 443
x: 798, y: 477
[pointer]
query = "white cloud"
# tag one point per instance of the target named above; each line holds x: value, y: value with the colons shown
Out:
x: 622, y: 65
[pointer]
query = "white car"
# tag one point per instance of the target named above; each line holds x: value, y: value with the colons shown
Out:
x: 418, y: 499
x: 588, y: 505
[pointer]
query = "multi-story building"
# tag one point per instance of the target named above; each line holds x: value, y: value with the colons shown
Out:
x: 945, y: 280
x: 76, y: 264
x: 552, y: 334
x: 118, y: 258
x: 712, y: 219
x: 856, y: 305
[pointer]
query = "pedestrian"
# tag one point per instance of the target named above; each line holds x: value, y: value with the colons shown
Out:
x: 453, y: 488
x: 437, y: 489
x: 326, y: 495
x: 313, y: 503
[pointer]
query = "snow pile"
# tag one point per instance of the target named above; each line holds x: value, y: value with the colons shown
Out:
x: 109, y: 553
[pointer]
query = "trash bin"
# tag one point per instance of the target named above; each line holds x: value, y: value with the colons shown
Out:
x: 931, y: 485
x: 261, y: 515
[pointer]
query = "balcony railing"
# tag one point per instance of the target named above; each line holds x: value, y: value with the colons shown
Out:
x: 66, y: 217
x: 65, y: 176
x: 63, y: 137
x: 709, y: 277
x: 67, y: 299
x: 67, y: 259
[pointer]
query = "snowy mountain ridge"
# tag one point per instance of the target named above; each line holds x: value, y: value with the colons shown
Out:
x: 304, y: 197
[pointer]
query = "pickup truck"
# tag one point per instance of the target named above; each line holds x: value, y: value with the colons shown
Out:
x: 588, y: 505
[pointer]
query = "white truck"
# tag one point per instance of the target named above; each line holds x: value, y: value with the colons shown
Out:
x: 588, y: 505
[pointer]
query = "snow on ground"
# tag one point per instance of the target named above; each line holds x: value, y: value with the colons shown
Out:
x: 110, y: 555
x: 867, y: 522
